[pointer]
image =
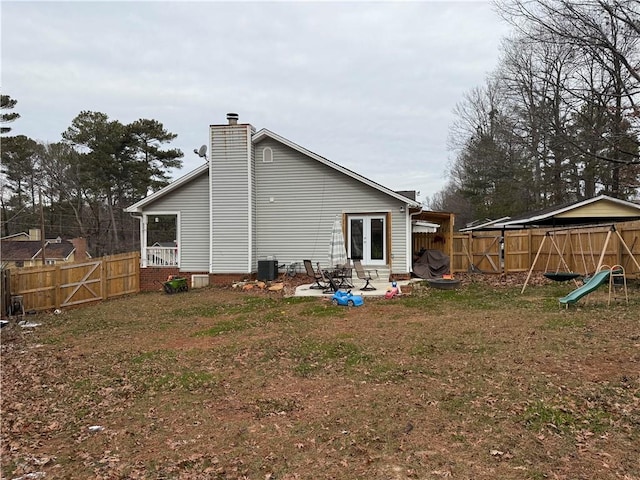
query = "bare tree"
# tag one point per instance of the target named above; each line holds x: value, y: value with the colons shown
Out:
x: 489, y: 170
x: 603, y: 27
x: 559, y: 119
x: 534, y: 77
x: 604, y: 37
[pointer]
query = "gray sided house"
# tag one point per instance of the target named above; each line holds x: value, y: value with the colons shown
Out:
x: 261, y: 196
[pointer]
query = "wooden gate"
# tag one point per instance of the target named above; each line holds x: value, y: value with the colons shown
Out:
x: 66, y: 285
x: 486, y: 252
x: 80, y: 283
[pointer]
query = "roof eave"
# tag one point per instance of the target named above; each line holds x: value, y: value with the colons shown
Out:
x: 535, y: 221
x: 138, y: 207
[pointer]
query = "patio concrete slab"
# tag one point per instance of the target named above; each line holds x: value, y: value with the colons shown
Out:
x: 381, y: 288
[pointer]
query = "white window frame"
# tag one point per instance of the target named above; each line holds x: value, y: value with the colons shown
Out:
x: 267, y: 155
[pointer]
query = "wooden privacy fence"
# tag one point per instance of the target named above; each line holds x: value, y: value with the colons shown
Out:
x: 575, y: 249
x: 66, y: 285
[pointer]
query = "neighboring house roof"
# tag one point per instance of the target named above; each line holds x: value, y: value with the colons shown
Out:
x: 593, y: 211
x: 29, y: 249
x: 257, y: 137
x: 408, y: 193
x: 164, y: 244
x: 16, y: 236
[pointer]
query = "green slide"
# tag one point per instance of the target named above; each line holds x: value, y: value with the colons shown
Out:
x: 594, y: 282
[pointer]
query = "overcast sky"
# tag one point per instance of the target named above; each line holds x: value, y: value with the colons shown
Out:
x: 370, y: 86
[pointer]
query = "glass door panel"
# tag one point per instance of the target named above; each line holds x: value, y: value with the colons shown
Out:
x: 367, y: 239
x: 377, y: 239
x: 356, y: 235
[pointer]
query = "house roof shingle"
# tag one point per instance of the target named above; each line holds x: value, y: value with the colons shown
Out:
x: 30, y: 249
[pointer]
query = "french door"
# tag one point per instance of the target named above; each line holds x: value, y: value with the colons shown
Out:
x: 368, y: 239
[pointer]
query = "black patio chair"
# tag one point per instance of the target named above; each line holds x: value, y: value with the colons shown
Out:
x: 317, y: 275
x: 344, y: 272
x: 333, y: 286
x: 366, y: 275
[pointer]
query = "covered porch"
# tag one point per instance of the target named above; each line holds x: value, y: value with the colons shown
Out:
x: 159, y: 240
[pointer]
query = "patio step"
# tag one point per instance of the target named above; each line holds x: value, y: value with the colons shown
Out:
x: 383, y: 272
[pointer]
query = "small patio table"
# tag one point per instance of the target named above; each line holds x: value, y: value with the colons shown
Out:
x: 344, y: 274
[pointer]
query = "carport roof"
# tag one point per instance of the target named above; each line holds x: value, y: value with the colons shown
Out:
x: 593, y: 211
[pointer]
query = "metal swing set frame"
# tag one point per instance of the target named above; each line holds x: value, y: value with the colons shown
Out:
x: 572, y: 275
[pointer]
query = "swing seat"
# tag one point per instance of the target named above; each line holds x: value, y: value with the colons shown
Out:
x: 561, y: 276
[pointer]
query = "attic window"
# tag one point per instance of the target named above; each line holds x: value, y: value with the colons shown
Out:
x: 267, y: 155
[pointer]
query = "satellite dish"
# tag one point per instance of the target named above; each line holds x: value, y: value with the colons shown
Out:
x: 201, y: 152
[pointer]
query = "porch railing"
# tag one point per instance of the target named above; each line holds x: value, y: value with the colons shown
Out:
x: 162, y: 257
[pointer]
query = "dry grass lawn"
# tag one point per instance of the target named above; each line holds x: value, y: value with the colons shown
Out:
x: 479, y: 383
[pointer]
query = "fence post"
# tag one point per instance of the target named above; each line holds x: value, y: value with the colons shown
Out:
x: 104, y: 291
x: 137, y: 257
x: 529, y: 240
x: 471, y: 250
x: 6, y: 291
x: 504, y: 252
x: 618, y: 249
x: 57, y: 301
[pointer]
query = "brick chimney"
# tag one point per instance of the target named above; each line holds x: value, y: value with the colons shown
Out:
x: 34, y: 234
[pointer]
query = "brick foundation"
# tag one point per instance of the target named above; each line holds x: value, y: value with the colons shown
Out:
x: 151, y: 278
x: 400, y: 276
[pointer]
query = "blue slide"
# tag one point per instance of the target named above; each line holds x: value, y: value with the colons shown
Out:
x: 594, y: 282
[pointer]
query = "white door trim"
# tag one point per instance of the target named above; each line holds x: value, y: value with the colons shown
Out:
x: 366, y: 246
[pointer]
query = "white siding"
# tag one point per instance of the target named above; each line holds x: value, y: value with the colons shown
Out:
x: 230, y: 175
x: 298, y: 199
x: 192, y: 201
x: 242, y: 210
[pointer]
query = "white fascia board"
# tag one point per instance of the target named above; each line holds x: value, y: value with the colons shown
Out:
x: 420, y: 226
x: 619, y: 201
x: 492, y: 223
x: 263, y: 133
x: 139, y: 206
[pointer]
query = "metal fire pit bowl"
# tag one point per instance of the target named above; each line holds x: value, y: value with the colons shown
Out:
x: 443, y: 283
